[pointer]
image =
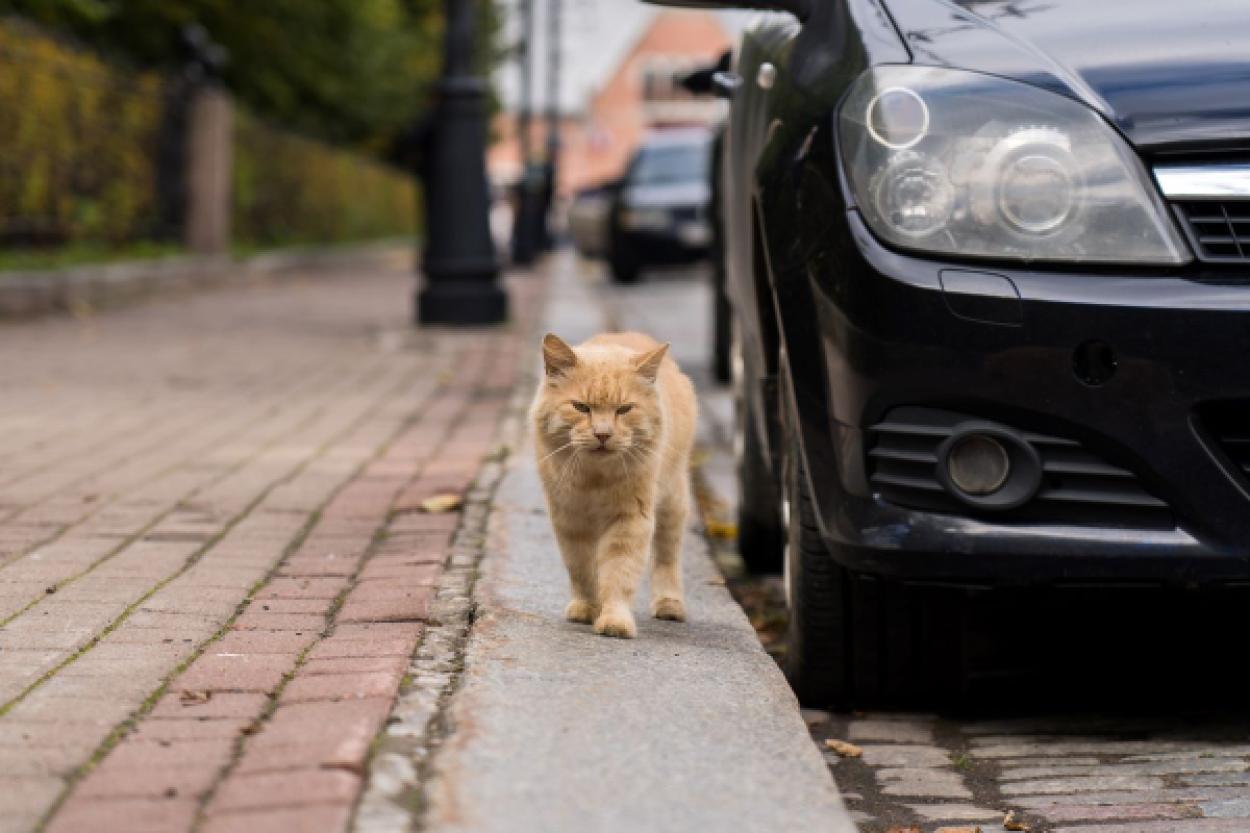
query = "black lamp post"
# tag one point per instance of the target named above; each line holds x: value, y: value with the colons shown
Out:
x: 552, y: 172
x: 461, y: 269
x: 528, y: 192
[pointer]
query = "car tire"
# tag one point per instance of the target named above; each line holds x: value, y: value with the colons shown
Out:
x: 858, y: 641
x: 761, y: 536
x: 722, y: 324
x: 624, y: 264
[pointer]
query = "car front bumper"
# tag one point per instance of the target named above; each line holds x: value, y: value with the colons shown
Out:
x: 1012, y: 346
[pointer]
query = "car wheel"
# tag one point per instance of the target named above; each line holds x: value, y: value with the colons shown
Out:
x: 760, y: 533
x: 856, y: 641
x: 722, y: 325
x: 624, y: 264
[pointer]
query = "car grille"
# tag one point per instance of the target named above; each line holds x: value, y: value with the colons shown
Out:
x: 1228, y: 423
x: 1219, y: 231
x: 1078, y: 487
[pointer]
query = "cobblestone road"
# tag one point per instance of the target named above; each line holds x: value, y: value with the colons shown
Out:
x: 1126, y: 712
x: 212, y: 567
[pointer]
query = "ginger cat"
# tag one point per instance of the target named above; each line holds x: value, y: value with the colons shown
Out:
x: 614, y: 426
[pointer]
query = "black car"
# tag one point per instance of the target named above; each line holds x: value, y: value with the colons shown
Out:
x: 660, y: 211
x: 989, y: 262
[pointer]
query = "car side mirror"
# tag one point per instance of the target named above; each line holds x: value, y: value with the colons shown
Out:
x: 798, y: 8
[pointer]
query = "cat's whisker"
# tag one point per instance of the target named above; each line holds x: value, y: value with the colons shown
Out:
x: 557, y: 451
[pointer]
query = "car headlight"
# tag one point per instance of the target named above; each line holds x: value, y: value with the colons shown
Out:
x: 653, y: 219
x: 948, y: 161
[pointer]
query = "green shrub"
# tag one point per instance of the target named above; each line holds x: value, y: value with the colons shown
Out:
x: 78, y: 143
x: 289, y: 189
x: 79, y: 140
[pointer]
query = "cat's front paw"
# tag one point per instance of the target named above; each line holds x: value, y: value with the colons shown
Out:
x: 580, y: 610
x: 673, y: 610
x: 616, y: 623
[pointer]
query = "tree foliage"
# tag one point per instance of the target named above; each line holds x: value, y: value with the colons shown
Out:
x: 350, y: 71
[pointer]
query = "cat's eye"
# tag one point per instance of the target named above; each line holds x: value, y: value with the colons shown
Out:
x: 624, y: 409
x: 582, y: 406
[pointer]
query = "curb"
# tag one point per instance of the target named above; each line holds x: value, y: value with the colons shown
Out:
x: 82, y: 289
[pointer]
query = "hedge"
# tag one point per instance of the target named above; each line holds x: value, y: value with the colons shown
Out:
x: 290, y: 189
x: 79, y: 141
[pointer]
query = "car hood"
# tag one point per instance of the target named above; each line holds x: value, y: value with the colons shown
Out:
x: 1166, y: 72
x: 667, y: 195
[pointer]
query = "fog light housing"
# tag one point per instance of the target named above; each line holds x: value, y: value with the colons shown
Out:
x: 989, y: 467
x: 978, y: 464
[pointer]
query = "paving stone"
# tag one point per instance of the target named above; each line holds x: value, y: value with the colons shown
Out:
x: 220, y: 671
x: 223, y: 704
x: 392, y: 665
x: 326, y: 818
x: 1090, y: 783
x: 134, y: 753
x: 1174, y: 795
x: 157, y: 781
x: 303, y: 588
x: 891, y: 731
x: 175, y: 729
x: 125, y: 815
x: 262, y: 642
x: 354, y: 686
x: 413, y: 606
x: 1169, y: 826
x: 1175, y: 767
x: 28, y: 796
x: 285, y: 789
x: 1116, y: 812
x: 1235, y: 808
x: 910, y: 755
x: 953, y: 812
x: 261, y: 620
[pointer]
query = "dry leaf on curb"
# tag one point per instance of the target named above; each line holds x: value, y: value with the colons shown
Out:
x: 194, y: 698
x: 725, y: 530
x: 1012, y: 823
x: 442, y: 503
x: 846, y: 750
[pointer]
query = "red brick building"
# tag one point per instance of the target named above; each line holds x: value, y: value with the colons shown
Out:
x: 639, y: 94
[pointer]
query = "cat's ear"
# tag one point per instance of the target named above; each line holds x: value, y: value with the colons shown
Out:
x: 648, y: 365
x: 558, y: 357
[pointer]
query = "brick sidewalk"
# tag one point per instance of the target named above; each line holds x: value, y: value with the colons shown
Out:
x: 213, y: 567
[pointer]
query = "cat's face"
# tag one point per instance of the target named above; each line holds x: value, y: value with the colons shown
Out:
x: 601, y: 402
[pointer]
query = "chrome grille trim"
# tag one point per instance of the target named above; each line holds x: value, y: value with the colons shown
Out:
x: 1198, y: 182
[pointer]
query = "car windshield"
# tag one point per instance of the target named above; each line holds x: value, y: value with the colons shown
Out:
x: 663, y: 164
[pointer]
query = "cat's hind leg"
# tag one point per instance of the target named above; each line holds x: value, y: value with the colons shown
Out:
x: 667, y: 599
x: 621, y: 558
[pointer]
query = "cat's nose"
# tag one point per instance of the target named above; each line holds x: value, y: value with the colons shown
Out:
x: 603, y: 437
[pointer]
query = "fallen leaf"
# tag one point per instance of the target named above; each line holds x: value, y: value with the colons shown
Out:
x: 846, y: 750
x: 904, y: 830
x: 1012, y: 823
x: 725, y: 530
x: 194, y: 698
x: 442, y: 503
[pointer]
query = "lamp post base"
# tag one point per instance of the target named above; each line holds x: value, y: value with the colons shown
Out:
x: 467, y: 303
